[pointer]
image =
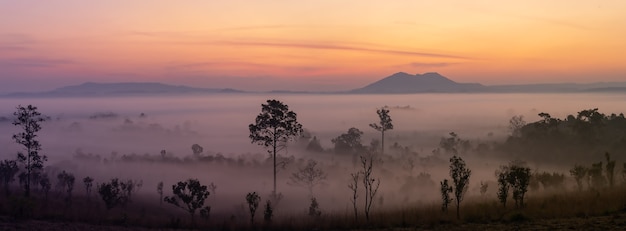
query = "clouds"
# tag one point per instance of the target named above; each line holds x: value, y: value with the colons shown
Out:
x: 330, y: 46
x: 33, y: 62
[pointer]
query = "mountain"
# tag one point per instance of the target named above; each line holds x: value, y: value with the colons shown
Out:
x: 428, y: 82
x: 122, y: 89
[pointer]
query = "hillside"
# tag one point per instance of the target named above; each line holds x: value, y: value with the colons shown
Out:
x: 114, y: 89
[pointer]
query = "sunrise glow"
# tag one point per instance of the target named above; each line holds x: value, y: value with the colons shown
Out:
x: 308, y: 45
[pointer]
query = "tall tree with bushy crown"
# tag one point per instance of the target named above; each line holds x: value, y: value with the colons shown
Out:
x: 29, y: 119
x: 273, y: 128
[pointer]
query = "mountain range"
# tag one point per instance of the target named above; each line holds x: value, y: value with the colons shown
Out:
x: 398, y: 83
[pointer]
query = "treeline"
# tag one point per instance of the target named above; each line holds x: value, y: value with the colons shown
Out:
x: 576, y: 137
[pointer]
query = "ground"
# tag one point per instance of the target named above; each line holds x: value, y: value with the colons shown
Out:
x: 611, y: 222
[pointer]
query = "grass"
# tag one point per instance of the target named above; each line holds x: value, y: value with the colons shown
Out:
x: 543, y: 209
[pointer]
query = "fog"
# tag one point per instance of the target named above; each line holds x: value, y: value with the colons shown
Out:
x: 93, y: 136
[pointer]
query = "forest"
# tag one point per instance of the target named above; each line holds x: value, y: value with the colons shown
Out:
x: 555, y: 169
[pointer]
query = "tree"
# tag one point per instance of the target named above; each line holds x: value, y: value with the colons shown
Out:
x: 112, y: 193
x: 189, y: 195
x: 309, y: 176
x: 44, y: 182
x: 383, y: 125
x: 88, y: 181
x: 273, y: 128
x: 516, y: 123
x: 369, y: 183
x: 483, y: 188
x: 354, y: 186
x: 515, y: 175
x: 314, y: 208
x: 446, y: 189
x: 268, y: 213
x: 314, y: 145
x: 578, y: 172
x: 196, y: 149
x: 503, y: 184
x: 8, y: 169
x: 66, y: 182
x: 29, y: 119
x: 610, y: 169
x: 160, y: 192
x: 349, y: 142
x: 519, y: 179
x: 595, y: 173
x: 460, y: 178
x: 253, y: 203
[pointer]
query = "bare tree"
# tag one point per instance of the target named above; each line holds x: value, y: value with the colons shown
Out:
x: 383, y: 125
x: 354, y: 186
x: 460, y: 178
x: 309, y: 176
x: 370, y: 184
x: 29, y: 119
x: 273, y: 128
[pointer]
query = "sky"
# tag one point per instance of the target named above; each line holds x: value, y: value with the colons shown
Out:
x: 321, y: 45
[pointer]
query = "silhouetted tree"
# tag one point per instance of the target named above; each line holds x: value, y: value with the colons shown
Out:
x: 503, y: 175
x: 516, y: 123
x: 253, y: 203
x: 268, y: 213
x: 112, y: 193
x: 66, y: 181
x: 189, y: 195
x: 273, y: 128
x: 460, y: 178
x: 445, y: 190
x: 8, y: 169
x: 44, y: 182
x: 578, y: 172
x: 197, y: 149
x: 483, y: 188
x: 519, y: 179
x: 349, y: 142
x: 29, y: 119
x: 354, y: 186
x: 309, y: 176
x: 314, y: 145
x: 314, y: 208
x: 595, y: 173
x: 610, y: 169
x: 160, y: 191
x: 454, y: 144
x: 383, y: 125
x: 369, y: 183
x: 88, y: 181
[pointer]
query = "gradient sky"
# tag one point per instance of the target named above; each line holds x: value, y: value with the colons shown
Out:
x: 308, y: 45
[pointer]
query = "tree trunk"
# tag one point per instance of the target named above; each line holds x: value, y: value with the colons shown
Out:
x: 382, y: 142
x: 274, y: 161
x: 458, y: 214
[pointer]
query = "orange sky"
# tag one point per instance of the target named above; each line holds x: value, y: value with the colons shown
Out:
x: 308, y: 45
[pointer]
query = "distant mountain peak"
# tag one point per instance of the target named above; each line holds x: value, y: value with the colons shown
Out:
x: 402, y: 82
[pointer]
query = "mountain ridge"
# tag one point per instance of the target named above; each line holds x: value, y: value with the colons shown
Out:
x: 398, y: 83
